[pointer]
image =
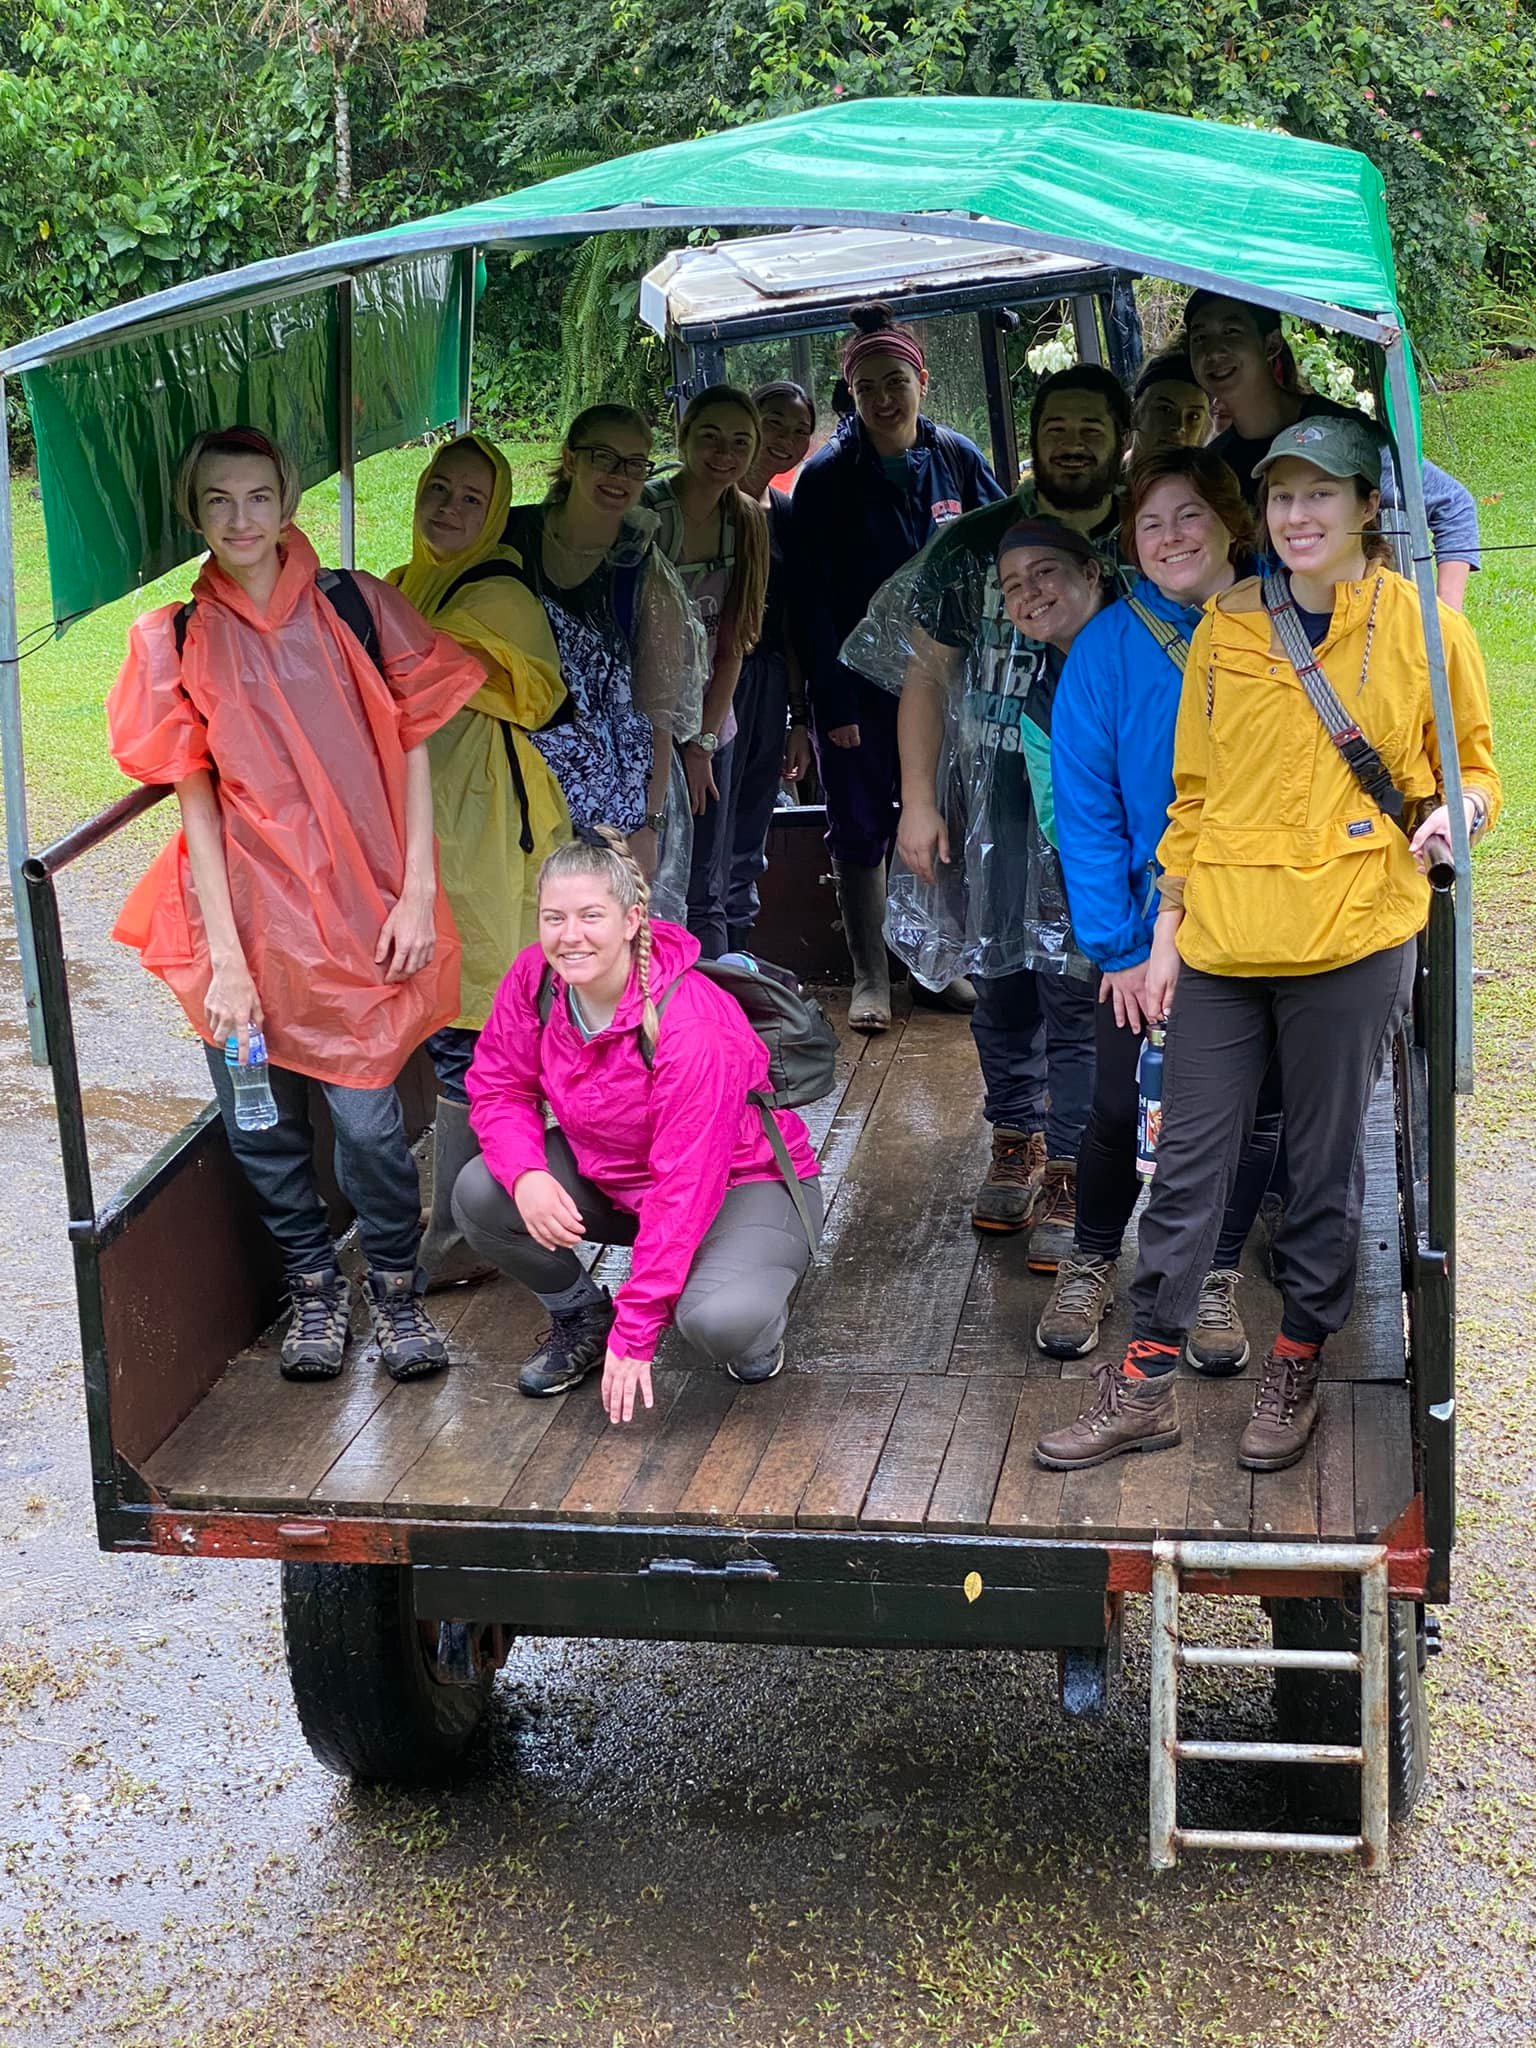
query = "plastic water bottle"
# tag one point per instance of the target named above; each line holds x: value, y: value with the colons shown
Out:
x: 255, y: 1104
x: 1149, y: 1101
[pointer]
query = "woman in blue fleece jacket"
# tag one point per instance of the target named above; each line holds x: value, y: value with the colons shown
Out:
x: 1187, y: 528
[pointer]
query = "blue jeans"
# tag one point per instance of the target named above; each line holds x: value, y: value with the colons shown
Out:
x: 374, y: 1169
x: 450, y: 1051
x: 761, y: 705
x: 1034, y: 1036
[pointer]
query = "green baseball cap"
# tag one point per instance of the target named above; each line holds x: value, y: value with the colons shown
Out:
x: 1338, y: 446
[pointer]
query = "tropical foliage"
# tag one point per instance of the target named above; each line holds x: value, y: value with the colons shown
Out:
x: 142, y: 141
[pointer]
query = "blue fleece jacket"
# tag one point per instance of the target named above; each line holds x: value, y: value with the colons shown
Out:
x: 1112, y: 771
x: 851, y: 527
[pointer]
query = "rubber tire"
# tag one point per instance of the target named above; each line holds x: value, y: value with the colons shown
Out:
x: 367, y: 1702
x: 1320, y: 1706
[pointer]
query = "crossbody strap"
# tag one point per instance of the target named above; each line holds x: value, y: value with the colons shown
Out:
x: 781, y: 1159
x: 1356, y: 751
x: 1167, y: 635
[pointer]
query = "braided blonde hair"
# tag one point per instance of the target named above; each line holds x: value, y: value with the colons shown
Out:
x: 611, y: 860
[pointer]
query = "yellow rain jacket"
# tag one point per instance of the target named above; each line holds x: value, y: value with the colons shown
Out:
x: 490, y: 877
x: 1282, y: 863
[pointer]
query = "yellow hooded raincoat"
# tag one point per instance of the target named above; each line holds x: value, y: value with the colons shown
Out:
x: 1282, y: 863
x: 488, y: 871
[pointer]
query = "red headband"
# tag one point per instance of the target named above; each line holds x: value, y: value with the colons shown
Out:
x: 885, y: 341
x: 250, y: 439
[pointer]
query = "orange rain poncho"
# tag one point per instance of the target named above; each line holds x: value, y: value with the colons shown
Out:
x: 308, y: 742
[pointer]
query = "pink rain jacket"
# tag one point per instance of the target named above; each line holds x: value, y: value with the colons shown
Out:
x: 665, y: 1143
x: 308, y: 742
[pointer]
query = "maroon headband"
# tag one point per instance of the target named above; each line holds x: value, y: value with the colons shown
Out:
x: 885, y: 341
x: 248, y: 439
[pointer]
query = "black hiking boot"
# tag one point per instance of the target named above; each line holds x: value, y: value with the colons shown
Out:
x: 316, y: 1342
x: 575, y: 1346
x: 410, y: 1343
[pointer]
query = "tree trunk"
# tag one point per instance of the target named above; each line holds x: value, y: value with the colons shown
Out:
x: 342, y: 121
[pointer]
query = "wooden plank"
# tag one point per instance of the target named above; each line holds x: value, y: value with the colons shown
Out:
x: 890, y: 1279
x: 1383, y: 1457
x: 500, y: 1328
x: 469, y: 1465
x: 962, y: 1494
x: 1028, y: 1497
x: 261, y: 1442
x: 596, y: 1491
x: 726, y: 1468
x: 1285, y: 1503
x: 903, y: 1481
x: 1220, y: 1492
x: 368, y: 1469
x: 542, y: 1484
x: 837, y: 1487
x: 1336, y: 1462
x: 673, y: 1456
x: 1154, y: 1493
x: 785, y: 1470
x: 854, y: 1108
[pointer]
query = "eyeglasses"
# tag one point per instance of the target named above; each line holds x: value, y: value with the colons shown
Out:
x: 612, y: 463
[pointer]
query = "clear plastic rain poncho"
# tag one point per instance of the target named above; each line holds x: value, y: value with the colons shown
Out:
x: 999, y: 904
x: 632, y: 656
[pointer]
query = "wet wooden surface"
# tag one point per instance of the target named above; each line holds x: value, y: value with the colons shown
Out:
x: 912, y: 1400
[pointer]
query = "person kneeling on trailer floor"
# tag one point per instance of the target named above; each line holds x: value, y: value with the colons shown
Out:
x: 651, y: 1074
x: 1292, y: 899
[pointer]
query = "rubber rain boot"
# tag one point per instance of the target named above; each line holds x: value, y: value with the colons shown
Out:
x: 445, y: 1258
x: 861, y: 899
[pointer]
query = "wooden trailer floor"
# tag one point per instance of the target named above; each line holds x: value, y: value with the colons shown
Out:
x: 912, y: 1399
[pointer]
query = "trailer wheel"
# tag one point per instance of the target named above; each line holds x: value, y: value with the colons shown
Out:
x: 371, y: 1699
x: 1319, y: 1706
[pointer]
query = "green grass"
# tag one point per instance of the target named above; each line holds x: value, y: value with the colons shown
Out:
x: 64, y: 684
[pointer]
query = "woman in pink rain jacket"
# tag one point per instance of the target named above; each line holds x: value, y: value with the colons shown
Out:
x: 656, y: 1143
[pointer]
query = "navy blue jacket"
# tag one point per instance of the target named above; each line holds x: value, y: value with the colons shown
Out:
x: 851, y: 527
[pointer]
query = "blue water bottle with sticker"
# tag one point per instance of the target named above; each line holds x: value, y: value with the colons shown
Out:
x: 1149, y: 1101
x: 255, y: 1104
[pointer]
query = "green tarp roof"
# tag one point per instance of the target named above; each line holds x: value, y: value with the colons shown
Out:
x: 114, y: 397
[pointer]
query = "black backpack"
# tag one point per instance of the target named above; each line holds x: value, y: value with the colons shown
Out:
x: 802, y: 1048
x: 340, y: 588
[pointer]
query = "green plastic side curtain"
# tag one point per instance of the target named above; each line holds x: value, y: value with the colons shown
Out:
x: 111, y: 424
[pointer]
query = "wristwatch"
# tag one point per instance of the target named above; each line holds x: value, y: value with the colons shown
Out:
x: 706, y: 742
x: 656, y: 821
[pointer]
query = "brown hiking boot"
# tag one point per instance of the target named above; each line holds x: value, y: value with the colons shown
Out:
x: 1284, y: 1414
x: 1126, y: 1415
x: 1008, y: 1197
x: 1055, y: 1230
x: 1218, y: 1344
x: 1082, y: 1297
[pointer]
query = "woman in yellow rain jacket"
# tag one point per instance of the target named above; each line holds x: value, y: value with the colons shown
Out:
x: 1291, y: 907
x: 498, y: 807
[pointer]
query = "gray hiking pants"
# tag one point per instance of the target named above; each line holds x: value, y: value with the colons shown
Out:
x: 735, y: 1304
x: 1329, y: 1034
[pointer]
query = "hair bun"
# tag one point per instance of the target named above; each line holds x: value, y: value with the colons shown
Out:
x: 873, y: 317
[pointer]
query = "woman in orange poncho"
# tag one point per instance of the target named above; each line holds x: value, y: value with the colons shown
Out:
x: 300, y: 898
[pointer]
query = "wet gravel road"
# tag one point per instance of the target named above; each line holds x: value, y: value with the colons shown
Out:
x: 695, y: 1845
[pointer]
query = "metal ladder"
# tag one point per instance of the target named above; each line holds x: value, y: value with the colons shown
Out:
x: 1367, y: 1562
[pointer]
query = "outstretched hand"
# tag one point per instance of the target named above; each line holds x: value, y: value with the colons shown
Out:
x: 622, y: 1377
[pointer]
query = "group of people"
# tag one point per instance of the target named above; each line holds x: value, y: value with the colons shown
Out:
x: 1066, y: 769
